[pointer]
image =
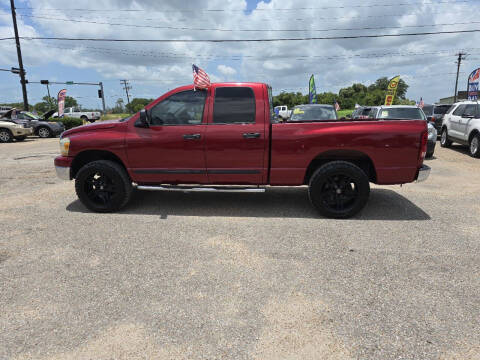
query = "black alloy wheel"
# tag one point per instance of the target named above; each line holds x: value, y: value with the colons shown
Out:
x: 103, y: 186
x: 339, y: 189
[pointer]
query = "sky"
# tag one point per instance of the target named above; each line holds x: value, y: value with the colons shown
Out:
x: 426, y: 63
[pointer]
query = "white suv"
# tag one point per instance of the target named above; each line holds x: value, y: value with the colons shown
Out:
x: 461, y: 124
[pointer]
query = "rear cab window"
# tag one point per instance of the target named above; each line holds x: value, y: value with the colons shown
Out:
x: 401, y: 114
x: 234, y: 105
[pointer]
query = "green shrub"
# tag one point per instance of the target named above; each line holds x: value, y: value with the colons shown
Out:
x: 68, y: 122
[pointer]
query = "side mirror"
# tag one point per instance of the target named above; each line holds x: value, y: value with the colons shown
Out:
x: 143, y: 120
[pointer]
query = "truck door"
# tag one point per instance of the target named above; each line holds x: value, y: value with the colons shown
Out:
x: 171, y: 150
x: 235, y: 136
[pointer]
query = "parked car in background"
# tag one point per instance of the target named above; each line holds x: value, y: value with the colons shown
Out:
x: 361, y: 112
x: 237, y: 141
x: 461, y: 124
x: 282, y: 112
x: 9, y: 131
x: 41, y: 127
x: 4, y: 109
x: 435, y: 114
x: 313, y: 112
x: 90, y: 116
x: 406, y: 112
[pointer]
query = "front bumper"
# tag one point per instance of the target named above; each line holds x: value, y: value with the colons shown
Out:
x: 22, y: 132
x: 63, y: 172
x: 62, y: 167
x: 423, y: 173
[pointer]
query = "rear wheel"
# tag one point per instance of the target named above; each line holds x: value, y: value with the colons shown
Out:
x: 5, y: 136
x: 444, y: 141
x: 103, y: 186
x: 475, y: 146
x: 44, y: 132
x: 339, y: 189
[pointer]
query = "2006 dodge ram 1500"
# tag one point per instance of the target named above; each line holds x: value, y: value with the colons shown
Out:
x: 227, y: 135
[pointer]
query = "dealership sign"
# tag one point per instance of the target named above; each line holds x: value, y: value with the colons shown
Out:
x: 473, y: 81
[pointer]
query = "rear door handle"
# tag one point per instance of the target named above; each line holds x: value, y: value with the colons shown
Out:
x: 191, y: 136
x: 251, y: 135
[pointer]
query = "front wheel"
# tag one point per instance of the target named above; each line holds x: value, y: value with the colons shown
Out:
x: 5, y: 136
x: 339, y: 189
x: 444, y: 141
x: 103, y: 186
x: 475, y: 146
x: 44, y: 132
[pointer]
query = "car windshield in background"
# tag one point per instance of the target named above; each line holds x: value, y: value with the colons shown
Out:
x: 314, y: 112
x: 428, y: 110
x: 441, y: 110
x: 401, y: 114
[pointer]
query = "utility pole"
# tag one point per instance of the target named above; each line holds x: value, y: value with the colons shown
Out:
x: 19, y: 55
x: 103, y: 97
x: 461, y: 56
x: 126, y: 88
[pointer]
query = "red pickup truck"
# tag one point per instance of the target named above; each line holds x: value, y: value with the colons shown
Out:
x: 227, y: 136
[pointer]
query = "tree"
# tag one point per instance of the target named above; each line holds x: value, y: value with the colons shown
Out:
x: 118, y: 109
x: 137, y: 104
x: 52, y: 103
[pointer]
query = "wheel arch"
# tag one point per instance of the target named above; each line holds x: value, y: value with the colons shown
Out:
x: 88, y: 156
x: 362, y: 160
x: 472, y: 134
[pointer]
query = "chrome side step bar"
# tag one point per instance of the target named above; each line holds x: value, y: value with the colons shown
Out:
x: 255, y: 189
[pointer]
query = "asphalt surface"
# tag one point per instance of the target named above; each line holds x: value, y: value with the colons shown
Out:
x: 238, y: 276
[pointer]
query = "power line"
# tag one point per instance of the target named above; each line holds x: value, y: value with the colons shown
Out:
x: 346, y: 37
x: 172, y: 55
x: 256, y: 9
x: 249, y: 30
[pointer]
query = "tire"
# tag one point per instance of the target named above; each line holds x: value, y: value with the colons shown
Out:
x: 20, y: 138
x: 44, y: 132
x: 429, y: 155
x: 103, y: 186
x: 84, y: 119
x: 475, y: 146
x: 444, y: 141
x: 339, y: 189
x: 5, y: 136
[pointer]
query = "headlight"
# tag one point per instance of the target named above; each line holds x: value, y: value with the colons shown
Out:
x: 64, y: 146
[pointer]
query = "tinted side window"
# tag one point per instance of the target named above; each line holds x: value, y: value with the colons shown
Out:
x: 234, y: 105
x: 459, y: 110
x: 184, y: 108
x: 470, y: 109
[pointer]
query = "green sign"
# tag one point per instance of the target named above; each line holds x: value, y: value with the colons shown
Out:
x: 69, y: 83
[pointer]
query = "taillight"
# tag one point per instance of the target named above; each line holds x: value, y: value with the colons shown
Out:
x: 423, y: 148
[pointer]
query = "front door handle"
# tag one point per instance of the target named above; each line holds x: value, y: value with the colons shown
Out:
x: 192, y: 136
x: 251, y: 135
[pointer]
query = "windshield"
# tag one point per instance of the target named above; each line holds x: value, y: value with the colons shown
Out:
x: 29, y: 115
x: 428, y: 110
x: 315, y: 112
x: 441, y: 110
x: 401, y: 114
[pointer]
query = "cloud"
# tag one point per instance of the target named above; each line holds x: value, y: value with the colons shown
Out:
x: 226, y: 70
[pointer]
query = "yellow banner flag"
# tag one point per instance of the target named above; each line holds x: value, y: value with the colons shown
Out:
x: 392, y: 90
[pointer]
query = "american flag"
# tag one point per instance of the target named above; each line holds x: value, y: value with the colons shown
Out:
x: 200, y: 78
x: 421, y: 103
x: 337, y: 105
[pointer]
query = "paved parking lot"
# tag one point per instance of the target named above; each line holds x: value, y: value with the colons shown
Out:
x: 238, y: 276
